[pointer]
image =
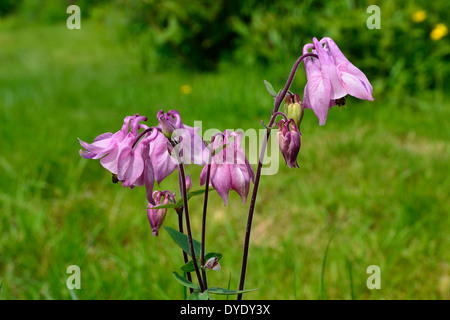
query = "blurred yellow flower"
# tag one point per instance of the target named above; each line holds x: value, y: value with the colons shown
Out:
x: 439, y: 31
x: 419, y: 16
x: 185, y: 89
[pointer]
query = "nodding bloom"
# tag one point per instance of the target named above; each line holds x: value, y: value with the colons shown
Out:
x: 147, y: 177
x: 230, y: 169
x: 188, y: 144
x: 156, y: 216
x: 289, y: 141
x: 137, y: 159
x: 160, y: 153
x: 330, y: 78
x: 118, y: 147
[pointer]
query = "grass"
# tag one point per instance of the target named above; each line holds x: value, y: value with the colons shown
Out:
x: 377, y: 170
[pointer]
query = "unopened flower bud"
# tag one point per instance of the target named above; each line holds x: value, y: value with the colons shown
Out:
x: 188, y: 182
x: 156, y: 216
x: 289, y: 141
x: 167, y: 124
x: 293, y: 108
x: 213, y: 264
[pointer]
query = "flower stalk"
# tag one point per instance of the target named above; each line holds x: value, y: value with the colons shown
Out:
x: 182, y: 178
x: 139, y: 155
x: 278, y: 100
x: 205, y: 208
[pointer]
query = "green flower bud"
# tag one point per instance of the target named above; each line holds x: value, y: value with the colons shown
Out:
x: 293, y: 108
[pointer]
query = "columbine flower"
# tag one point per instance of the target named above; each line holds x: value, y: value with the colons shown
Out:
x: 120, y: 153
x: 331, y: 78
x: 147, y: 177
x: 289, y: 141
x: 156, y: 216
x: 230, y: 169
x: 110, y: 147
x: 189, y: 144
x: 160, y: 153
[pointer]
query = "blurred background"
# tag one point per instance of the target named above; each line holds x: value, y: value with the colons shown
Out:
x: 373, y: 183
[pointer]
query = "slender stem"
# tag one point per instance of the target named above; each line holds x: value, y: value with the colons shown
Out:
x: 250, y: 215
x: 281, y: 96
x: 277, y: 105
x: 185, y: 256
x: 205, y: 207
x: 188, y: 222
x: 278, y: 113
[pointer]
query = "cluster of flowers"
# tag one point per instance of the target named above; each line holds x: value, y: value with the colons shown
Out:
x: 331, y: 77
x: 138, y: 155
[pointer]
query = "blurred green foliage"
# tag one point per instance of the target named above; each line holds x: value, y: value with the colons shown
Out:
x: 401, y: 54
x: 199, y: 35
x: 381, y: 167
x: 196, y: 33
x: 48, y: 11
x: 7, y: 6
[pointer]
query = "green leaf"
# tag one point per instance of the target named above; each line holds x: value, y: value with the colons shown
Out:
x: 189, y: 266
x: 166, y: 206
x: 182, y: 241
x: 270, y: 88
x: 185, y: 282
x: 217, y: 290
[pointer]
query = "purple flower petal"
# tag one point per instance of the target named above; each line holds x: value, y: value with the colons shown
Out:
x: 130, y: 166
x: 328, y: 68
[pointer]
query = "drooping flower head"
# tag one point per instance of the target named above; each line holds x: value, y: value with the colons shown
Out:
x: 175, y: 137
x: 124, y: 156
x: 137, y: 158
x: 330, y: 78
x: 108, y: 146
x: 156, y: 216
x: 230, y: 169
x: 289, y: 141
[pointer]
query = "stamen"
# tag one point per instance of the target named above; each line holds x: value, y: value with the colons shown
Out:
x: 341, y: 101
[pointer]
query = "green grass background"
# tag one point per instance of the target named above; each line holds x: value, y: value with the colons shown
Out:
x: 376, y: 176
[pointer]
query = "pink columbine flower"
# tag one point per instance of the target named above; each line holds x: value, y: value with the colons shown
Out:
x: 108, y: 147
x: 156, y: 216
x: 124, y: 156
x: 230, y: 169
x: 147, y: 176
x: 160, y: 153
x: 289, y: 141
x: 187, y: 142
x: 331, y: 78
x: 190, y: 145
